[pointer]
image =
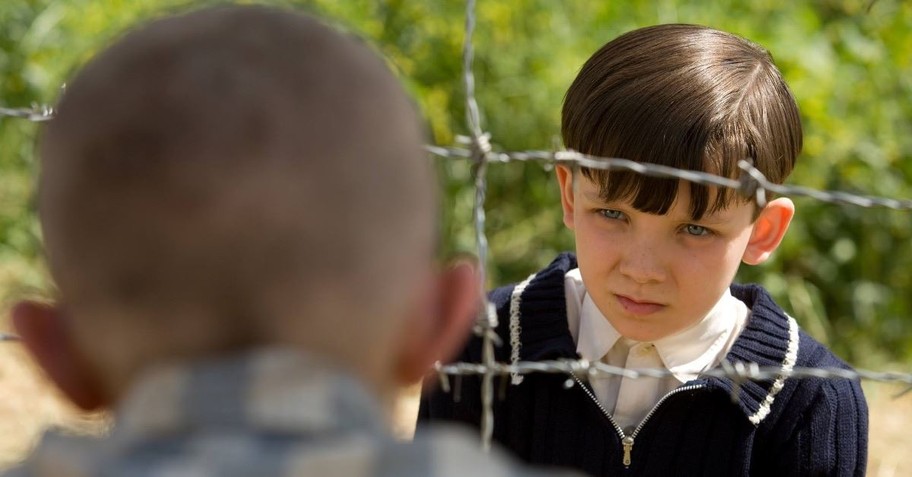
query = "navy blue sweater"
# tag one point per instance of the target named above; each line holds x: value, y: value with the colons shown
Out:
x: 789, y: 427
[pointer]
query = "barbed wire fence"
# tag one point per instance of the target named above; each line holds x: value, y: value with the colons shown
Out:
x: 477, y: 148
x: 750, y: 183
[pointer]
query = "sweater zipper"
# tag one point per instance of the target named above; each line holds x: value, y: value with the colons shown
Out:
x: 628, y: 441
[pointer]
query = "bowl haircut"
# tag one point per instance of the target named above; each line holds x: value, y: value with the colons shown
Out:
x: 684, y: 96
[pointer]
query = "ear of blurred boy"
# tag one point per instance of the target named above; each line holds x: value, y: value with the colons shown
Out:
x: 440, y: 322
x: 45, y: 331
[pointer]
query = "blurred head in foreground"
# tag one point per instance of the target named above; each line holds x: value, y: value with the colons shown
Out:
x: 235, y: 178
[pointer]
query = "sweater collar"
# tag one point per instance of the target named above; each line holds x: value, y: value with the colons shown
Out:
x: 770, y: 337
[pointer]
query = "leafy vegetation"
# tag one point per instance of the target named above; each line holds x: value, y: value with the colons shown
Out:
x: 844, y: 272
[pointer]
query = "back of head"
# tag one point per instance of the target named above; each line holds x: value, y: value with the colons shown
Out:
x: 684, y: 96
x: 232, y: 177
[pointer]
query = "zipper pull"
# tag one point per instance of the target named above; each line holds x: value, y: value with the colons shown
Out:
x: 628, y: 447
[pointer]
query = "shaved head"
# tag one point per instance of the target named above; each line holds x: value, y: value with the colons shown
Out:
x: 234, y: 176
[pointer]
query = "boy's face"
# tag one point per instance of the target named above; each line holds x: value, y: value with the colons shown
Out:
x: 654, y: 275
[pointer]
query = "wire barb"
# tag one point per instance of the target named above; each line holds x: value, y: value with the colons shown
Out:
x: 751, y: 180
x: 35, y: 114
x: 8, y: 338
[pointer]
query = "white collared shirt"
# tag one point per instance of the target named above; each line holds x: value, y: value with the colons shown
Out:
x: 686, y: 353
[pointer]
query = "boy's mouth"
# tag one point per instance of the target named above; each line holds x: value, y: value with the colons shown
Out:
x: 638, y: 307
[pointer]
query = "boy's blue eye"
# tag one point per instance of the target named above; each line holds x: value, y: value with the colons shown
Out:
x: 611, y: 214
x: 697, y: 230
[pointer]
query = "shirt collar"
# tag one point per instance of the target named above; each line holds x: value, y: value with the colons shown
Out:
x: 693, y: 350
x: 686, y: 353
x: 273, y: 389
x: 596, y: 335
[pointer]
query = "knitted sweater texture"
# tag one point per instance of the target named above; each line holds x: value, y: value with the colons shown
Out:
x: 786, y: 427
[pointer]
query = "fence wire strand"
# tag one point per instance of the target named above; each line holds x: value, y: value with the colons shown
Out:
x: 480, y: 148
x: 751, y: 181
x: 476, y: 147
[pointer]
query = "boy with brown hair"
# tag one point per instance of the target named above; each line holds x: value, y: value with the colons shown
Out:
x: 651, y: 283
x: 239, y: 215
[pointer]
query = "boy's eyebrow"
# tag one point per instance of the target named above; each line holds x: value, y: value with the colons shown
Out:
x: 716, y: 217
x: 712, y: 219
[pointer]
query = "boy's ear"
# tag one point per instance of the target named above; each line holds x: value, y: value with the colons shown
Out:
x: 565, y: 181
x: 46, y: 334
x: 769, y: 229
x: 441, y: 330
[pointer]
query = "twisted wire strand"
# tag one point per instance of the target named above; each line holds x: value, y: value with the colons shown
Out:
x: 737, y: 372
x: 480, y: 149
x: 750, y: 182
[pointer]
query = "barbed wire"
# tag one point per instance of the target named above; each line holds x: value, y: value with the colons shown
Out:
x: 737, y: 372
x: 751, y: 182
x: 480, y: 149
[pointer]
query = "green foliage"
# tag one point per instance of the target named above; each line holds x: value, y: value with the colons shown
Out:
x: 843, y: 272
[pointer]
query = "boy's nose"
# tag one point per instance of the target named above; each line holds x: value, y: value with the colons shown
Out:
x: 642, y: 265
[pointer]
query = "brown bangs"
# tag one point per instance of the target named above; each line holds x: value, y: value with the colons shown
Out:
x: 682, y: 96
x: 670, y: 135
x: 656, y: 195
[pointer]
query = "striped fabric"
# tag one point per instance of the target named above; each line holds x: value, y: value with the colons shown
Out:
x: 269, y: 413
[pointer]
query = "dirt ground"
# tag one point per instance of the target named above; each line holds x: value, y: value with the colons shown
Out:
x: 890, y: 437
x: 28, y: 406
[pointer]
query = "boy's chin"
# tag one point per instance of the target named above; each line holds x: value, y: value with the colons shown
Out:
x: 646, y: 329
